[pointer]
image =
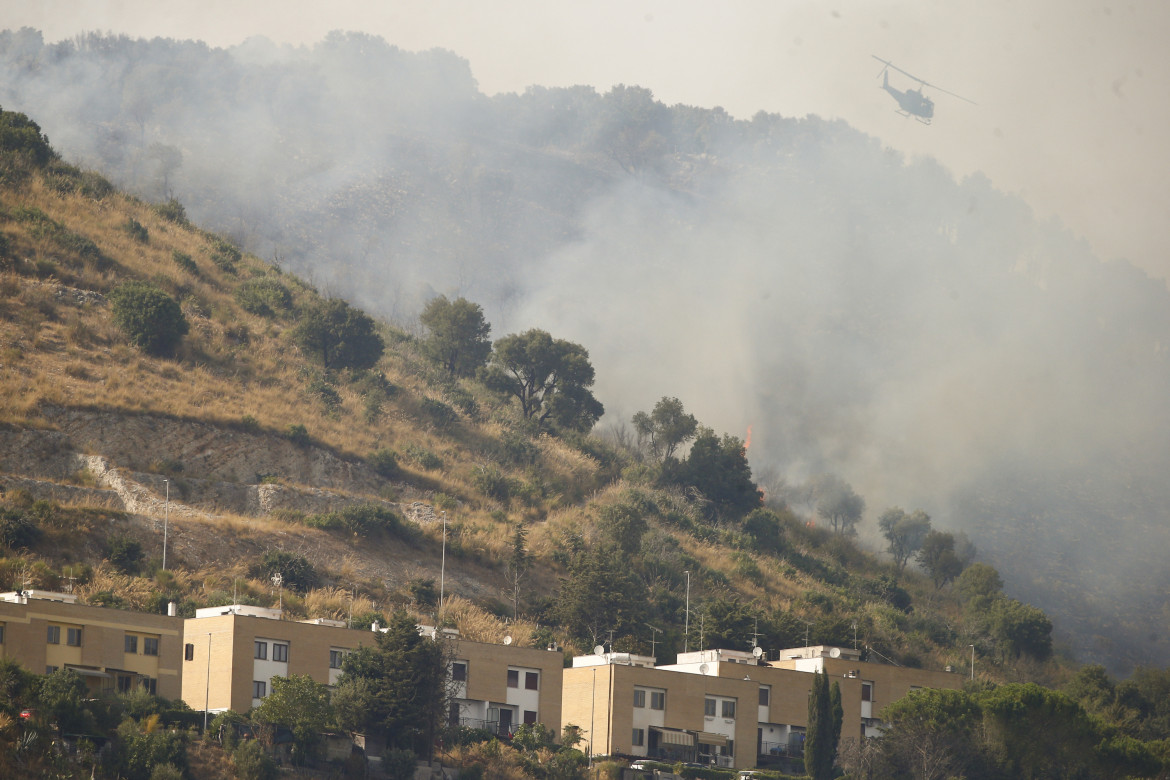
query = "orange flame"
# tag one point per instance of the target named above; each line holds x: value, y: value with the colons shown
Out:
x: 747, y: 443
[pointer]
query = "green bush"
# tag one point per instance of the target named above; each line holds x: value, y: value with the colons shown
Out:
x: 263, y: 297
x: 298, y: 434
x: 125, y: 554
x: 136, y: 230
x: 295, y: 570
x: 363, y: 520
x: 252, y: 763
x: 422, y: 457
x: 184, y: 261
x: 18, y: 529
x: 151, y: 319
x: 172, y: 211
x: 384, y: 461
x: 440, y: 415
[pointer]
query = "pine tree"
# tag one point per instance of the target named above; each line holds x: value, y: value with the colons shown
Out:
x: 825, y: 717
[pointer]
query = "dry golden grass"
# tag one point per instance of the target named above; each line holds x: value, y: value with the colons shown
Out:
x: 477, y: 625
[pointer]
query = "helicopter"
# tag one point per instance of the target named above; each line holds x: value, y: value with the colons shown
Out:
x: 912, y: 102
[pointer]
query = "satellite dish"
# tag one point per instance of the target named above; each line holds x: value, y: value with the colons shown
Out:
x: 757, y: 651
x: 703, y: 668
x: 599, y: 650
x: 835, y: 652
x: 507, y: 640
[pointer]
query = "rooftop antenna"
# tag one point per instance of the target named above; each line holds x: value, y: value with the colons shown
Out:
x: 807, y: 623
x: 756, y: 633
x: 349, y: 623
x: 71, y: 578
x: 653, y: 637
x: 702, y: 641
x: 611, y: 640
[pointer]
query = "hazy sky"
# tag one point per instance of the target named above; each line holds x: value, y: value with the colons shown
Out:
x: 1073, y: 95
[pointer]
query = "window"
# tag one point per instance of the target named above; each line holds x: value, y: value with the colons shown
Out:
x: 639, y: 738
x: 259, y: 689
x: 125, y: 682
x: 280, y: 653
x: 261, y: 653
x: 151, y: 685
x: 531, y: 681
x: 150, y: 645
x: 459, y: 671
x: 513, y: 678
x: 529, y: 717
x: 73, y: 637
x: 131, y: 644
x: 337, y: 658
x: 189, y: 652
x: 658, y: 700
x: 1, y: 633
x: 639, y: 697
x: 51, y: 669
x: 729, y: 708
x: 867, y: 691
x: 709, y: 708
x: 765, y: 696
x: 54, y: 637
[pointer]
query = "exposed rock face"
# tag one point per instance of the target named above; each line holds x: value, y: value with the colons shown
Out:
x: 215, y: 469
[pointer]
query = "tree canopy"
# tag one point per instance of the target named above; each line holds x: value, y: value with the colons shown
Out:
x: 937, y: 557
x: 459, y: 334
x: 301, y: 704
x: 550, y: 377
x: 837, y: 503
x: 395, y: 689
x: 342, y: 336
x: 665, y: 428
x: 905, y: 533
x: 718, y: 468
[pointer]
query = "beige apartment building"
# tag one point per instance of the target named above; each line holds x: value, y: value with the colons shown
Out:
x: 113, y: 649
x: 230, y: 654
x: 725, y: 707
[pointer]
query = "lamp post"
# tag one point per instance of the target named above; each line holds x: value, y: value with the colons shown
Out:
x: 166, y: 522
x: 443, y: 565
x: 207, y: 685
x: 972, y: 661
x: 687, y: 629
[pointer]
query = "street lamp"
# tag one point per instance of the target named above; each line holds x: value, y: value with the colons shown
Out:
x: 166, y: 521
x: 687, y: 629
x: 443, y: 565
x: 972, y: 661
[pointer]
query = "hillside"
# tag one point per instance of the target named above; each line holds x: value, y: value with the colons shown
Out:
x: 338, y: 479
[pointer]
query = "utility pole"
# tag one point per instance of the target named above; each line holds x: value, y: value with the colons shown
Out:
x: 972, y: 661
x: 653, y: 637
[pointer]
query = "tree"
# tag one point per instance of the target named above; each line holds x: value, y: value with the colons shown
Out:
x: 519, y: 562
x: 937, y: 557
x: 837, y: 503
x: 550, y: 377
x: 343, y: 336
x: 766, y: 529
x: 459, y: 337
x: 931, y: 735
x: 395, y: 689
x: 665, y: 428
x: 904, y: 533
x: 151, y: 319
x: 720, y: 470
x: 978, y: 584
x: 601, y: 593
x: 301, y: 704
x: 824, y: 728
x: 1020, y: 629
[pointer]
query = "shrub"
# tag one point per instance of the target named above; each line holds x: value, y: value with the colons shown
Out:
x: 263, y: 297
x: 295, y: 570
x: 362, y: 520
x: 298, y: 434
x: 17, y: 529
x: 225, y: 256
x: 490, y: 481
x: 172, y: 211
x: 440, y: 415
x: 151, y: 319
x: 252, y: 763
x: 422, y: 457
x: 384, y: 461
x: 136, y: 230
x: 184, y: 261
x: 326, y: 393
x: 125, y: 554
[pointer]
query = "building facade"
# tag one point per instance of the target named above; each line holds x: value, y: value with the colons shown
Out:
x: 500, y: 687
x: 724, y: 707
x: 113, y: 649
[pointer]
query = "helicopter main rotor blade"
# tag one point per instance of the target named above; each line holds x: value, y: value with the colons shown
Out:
x: 921, y: 82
